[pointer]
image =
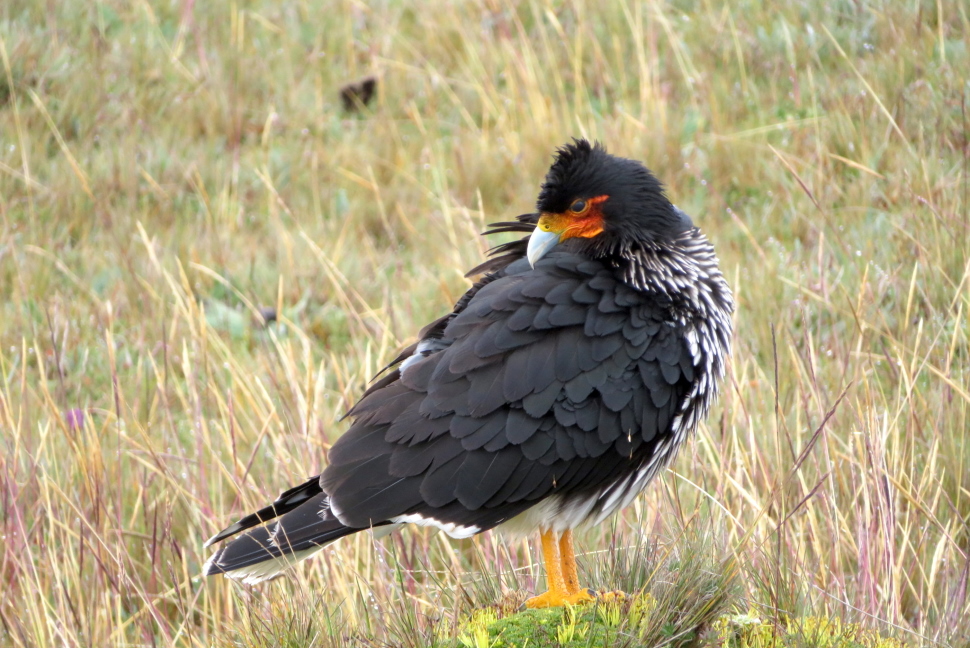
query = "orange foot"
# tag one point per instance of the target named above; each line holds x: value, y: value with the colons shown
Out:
x: 558, y: 599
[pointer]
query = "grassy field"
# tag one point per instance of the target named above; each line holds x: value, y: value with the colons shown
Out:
x: 169, y: 168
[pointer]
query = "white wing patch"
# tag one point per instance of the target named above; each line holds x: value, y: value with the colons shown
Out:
x: 452, y: 529
x: 425, y: 348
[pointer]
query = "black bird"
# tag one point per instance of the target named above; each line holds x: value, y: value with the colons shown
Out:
x: 562, y: 382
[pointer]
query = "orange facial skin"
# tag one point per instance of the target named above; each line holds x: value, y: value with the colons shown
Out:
x: 584, y: 218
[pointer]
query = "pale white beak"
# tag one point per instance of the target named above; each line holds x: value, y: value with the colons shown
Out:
x: 540, y: 243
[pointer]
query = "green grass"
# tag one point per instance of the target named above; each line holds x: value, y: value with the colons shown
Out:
x: 168, y: 168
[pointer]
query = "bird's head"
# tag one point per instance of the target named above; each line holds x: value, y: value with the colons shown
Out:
x: 602, y: 201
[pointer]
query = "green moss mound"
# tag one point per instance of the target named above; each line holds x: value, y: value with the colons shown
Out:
x: 619, y: 620
x: 613, y: 620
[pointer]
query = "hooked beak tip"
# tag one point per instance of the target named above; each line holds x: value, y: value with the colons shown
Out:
x: 540, y: 242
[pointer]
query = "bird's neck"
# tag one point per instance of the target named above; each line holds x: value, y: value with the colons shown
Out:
x: 683, y: 272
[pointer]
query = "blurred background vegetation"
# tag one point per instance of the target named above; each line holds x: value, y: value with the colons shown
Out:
x: 172, y: 172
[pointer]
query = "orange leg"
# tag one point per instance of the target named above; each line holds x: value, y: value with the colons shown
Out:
x: 567, y: 556
x: 561, y: 576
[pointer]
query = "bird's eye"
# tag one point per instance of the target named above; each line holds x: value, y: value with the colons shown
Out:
x: 578, y: 206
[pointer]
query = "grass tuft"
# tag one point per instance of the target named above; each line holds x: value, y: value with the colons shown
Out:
x: 749, y: 631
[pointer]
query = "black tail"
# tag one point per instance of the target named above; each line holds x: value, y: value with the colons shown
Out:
x: 306, y: 526
x: 286, y: 502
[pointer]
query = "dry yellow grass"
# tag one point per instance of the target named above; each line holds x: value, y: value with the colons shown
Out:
x: 167, y: 168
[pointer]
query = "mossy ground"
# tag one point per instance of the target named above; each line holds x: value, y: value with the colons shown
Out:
x: 602, y: 623
x: 629, y: 619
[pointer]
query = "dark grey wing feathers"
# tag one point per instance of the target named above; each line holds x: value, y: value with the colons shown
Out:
x: 538, y: 383
x: 603, y: 386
